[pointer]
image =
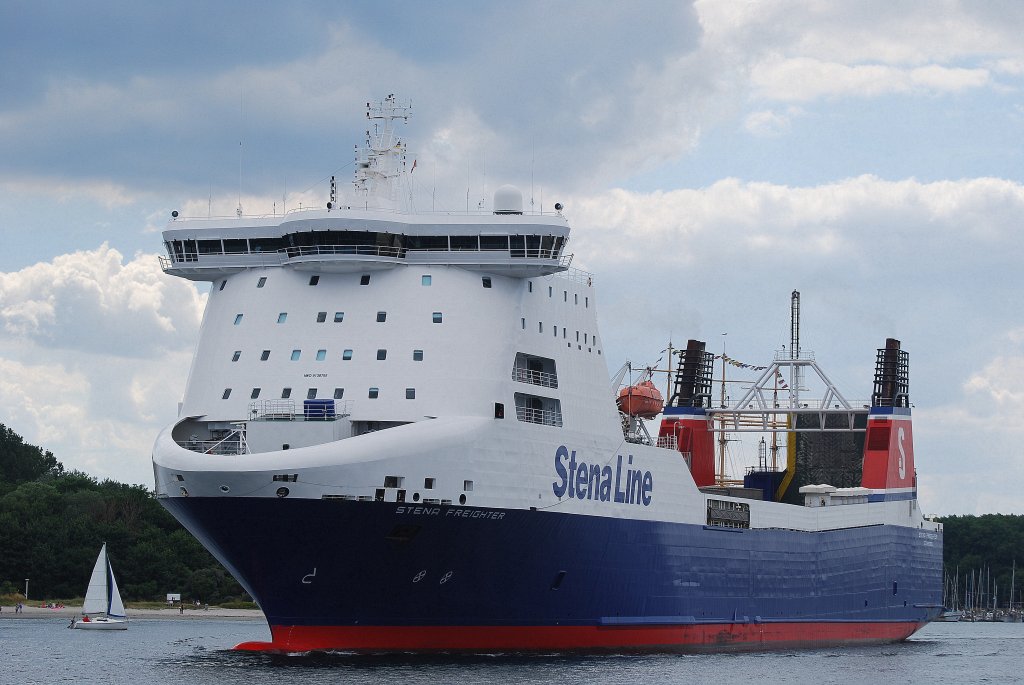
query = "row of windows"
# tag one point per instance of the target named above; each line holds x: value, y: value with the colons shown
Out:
x: 339, y: 317
x: 565, y: 295
x: 321, y: 355
x: 425, y: 279
x: 587, y: 338
x: 311, y: 393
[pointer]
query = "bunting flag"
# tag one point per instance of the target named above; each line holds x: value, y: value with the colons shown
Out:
x: 780, y: 380
x: 739, y: 364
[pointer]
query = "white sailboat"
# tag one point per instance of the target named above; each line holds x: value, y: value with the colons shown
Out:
x: 103, y: 609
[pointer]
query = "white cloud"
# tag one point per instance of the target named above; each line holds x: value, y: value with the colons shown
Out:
x: 91, y: 300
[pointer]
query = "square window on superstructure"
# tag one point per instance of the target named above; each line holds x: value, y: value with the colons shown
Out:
x: 428, y: 483
x: 586, y: 302
x: 374, y: 393
x: 321, y: 355
x: 282, y: 317
x: 565, y: 295
x: 286, y: 393
x: 486, y: 280
x: 575, y: 298
x: 417, y: 355
x: 529, y: 286
x: 540, y: 326
x: 346, y: 355
x: 238, y: 319
x: 522, y: 322
x: 236, y: 355
x: 227, y: 394
x: 425, y: 279
x: 222, y: 284
x: 382, y: 317
x: 262, y: 282
x: 254, y: 394
x: 339, y: 393
x: 296, y: 354
x: 550, y: 291
x: 265, y: 355
x: 314, y: 280
x: 436, y: 317
x: 339, y: 317
x: 311, y: 394
x: 410, y: 393
x: 382, y: 355
x: 364, y: 279
x: 321, y: 317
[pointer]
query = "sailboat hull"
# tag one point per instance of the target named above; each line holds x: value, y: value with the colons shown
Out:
x: 101, y: 623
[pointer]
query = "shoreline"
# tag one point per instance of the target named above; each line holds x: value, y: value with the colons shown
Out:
x: 190, y: 613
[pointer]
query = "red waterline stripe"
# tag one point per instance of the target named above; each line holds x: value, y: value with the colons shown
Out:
x: 702, y: 637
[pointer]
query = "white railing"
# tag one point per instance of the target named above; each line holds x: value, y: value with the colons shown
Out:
x: 669, y: 442
x: 542, y: 416
x: 523, y: 375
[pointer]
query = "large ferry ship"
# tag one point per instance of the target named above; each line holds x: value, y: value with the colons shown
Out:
x: 399, y: 434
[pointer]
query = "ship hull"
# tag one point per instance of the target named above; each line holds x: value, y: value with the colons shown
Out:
x: 383, y: 576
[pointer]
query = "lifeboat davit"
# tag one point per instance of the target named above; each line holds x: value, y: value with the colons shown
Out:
x: 642, y: 400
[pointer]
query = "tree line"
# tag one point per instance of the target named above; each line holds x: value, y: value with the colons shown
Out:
x: 53, y: 521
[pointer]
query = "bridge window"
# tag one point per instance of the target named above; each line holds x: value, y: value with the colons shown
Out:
x: 227, y: 394
x: 494, y: 242
x: 465, y: 242
x: 314, y: 280
x: 487, y: 281
x: 410, y: 393
x: 339, y: 393
x: 321, y: 355
x: 339, y: 317
x: 296, y: 354
x: 374, y: 393
x: 437, y: 317
x: 321, y: 317
x: 425, y: 279
x: 286, y: 393
x: 262, y: 282
x: 417, y: 355
x: 382, y: 355
x: 254, y: 394
x: 364, y: 279
x: 238, y: 319
x: 382, y: 317
x: 236, y: 355
x: 311, y: 394
x: 265, y: 355
x: 346, y: 355
x: 282, y: 317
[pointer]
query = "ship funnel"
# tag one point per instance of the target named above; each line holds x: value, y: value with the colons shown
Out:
x: 693, y: 376
x: 892, y: 387
x: 888, y: 467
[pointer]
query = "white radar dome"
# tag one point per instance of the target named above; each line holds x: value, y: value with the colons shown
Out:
x: 508, y: 200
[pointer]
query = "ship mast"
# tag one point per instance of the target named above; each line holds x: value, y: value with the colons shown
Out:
x: 381, y: 161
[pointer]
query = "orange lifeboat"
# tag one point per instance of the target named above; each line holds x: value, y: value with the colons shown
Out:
x: 642, y: 400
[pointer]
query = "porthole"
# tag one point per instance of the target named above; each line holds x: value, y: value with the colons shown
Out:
x: 415, y: 497
x: 225, y: 489
x: 184, y: 492
x: 282, y: 492
x: 462, y: 499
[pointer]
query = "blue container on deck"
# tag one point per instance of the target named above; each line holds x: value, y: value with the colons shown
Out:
x: 318, y: 410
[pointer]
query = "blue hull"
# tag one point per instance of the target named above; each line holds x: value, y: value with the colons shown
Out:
x: 344, y: 563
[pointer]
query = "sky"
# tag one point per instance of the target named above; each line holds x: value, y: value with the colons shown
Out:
x: 711, y: 156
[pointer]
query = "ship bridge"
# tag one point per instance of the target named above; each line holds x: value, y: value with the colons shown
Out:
x: 346, y: 241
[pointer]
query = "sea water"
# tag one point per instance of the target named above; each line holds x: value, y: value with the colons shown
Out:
x: 155, y: 651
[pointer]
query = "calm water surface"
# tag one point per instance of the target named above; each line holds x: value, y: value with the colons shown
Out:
x: 198, y: 651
